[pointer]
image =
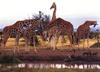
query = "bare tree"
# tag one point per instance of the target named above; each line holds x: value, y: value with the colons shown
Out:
x: 44, y: 20
x: 41, y: 16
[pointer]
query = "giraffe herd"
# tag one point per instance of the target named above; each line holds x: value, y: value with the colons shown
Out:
x: 57, y: 26
x: 25, y: 28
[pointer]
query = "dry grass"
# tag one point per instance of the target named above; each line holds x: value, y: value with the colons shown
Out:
x: 11, y: 43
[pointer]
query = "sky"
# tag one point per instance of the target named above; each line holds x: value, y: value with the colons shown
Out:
x: 75, y: 11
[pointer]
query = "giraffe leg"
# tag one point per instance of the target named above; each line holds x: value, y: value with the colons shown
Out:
x: 63, y: 39
x: 88, y: 40
x: 70, y: 39
x: 83, y: 42
x: 34, y: 43
x: 17, y: 40
x: 55, y: 40
x: 3, y: 44
x: 26, y: 44
x: 51, y: 42
x: 78, y: 41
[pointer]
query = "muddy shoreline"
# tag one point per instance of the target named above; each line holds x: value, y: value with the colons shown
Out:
x: 72, y: 56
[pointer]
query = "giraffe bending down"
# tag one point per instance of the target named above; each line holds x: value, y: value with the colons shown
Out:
x: 15, y: 29
x: 25, y: 25
x: 83, y: 30
x: 9, y: 31
x: 54, y: 12
x: 25, y: 28
x: 29, y: 33
x: 63, y: 27
x: 12, y: 30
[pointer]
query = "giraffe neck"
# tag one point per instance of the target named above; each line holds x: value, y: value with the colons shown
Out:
x: 54, y: 14
x: 87, y: 25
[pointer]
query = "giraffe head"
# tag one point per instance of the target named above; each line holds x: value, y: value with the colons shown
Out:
x: 53, y: 5
x: 89, y: 23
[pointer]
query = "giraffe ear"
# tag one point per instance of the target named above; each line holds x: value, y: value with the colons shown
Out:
x: 95, y: 25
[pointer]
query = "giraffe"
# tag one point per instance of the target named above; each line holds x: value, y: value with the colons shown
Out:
x: 62, y: 26
x: 54, y: 29
x: 30, y: 35
x: 9, y: 31
x: 53, y: 35
x: 83, y: 30
x: 31, y: 32
x: 54, y: 12
x: 54, y: 17
x: 26, y: 28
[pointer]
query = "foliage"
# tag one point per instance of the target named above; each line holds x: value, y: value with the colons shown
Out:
x: 43, y: 19
x: 41, y: 16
